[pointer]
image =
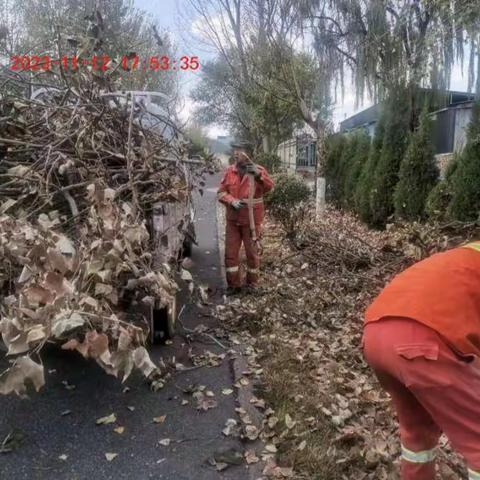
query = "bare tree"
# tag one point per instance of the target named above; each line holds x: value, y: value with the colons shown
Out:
x: 247, y: 35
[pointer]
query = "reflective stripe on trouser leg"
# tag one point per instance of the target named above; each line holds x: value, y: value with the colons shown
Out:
x: 233, y: 276
x: 252, y: 275
x: 425, y: 456
x: 473, y: 475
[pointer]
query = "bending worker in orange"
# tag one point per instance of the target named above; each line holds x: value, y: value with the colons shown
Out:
x: 422, y: 338
x: 243, y: 183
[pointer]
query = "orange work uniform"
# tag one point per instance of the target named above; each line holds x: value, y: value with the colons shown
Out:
x: 235, y: 186
x: 422, y: 338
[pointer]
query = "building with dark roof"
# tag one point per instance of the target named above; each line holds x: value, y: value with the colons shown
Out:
x: 449, y: 123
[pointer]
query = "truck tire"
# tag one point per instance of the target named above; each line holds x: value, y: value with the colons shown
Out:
x: 187, y: 247
x: 164, y: 321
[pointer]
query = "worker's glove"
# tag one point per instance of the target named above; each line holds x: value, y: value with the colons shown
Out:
x: 252, y: 169
x: 237, y: 204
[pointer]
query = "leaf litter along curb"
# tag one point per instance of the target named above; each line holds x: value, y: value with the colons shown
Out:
x: 325, y: 414
x: 79, y: 177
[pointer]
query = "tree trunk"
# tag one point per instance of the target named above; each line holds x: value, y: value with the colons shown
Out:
x: 320, y: 170
x: 267, y: 143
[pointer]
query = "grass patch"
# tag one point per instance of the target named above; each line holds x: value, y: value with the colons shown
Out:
x: 307, y: 447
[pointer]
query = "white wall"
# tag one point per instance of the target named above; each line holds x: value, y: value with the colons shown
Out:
x: 287, y: 151
x: 462, y: 119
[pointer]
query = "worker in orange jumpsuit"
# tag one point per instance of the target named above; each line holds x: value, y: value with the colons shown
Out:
x: 422, y: 338
x: 234, y: 192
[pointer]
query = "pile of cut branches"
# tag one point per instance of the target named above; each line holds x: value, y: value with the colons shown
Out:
x: 79, y: 176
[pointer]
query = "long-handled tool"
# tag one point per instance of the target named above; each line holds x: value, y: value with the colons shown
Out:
x: 251, y: 216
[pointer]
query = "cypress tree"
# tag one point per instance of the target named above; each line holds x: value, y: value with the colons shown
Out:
x: 354, y: 169
x: 335, y: 145
x: 418, y: 173
x: 441, y: 195
x: 395, y: 142
x: 365, y: 182
x: 346, y: 162
x: 339, y: 161
x: 465, y: 204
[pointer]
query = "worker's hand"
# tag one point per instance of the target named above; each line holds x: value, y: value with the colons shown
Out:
x: 252, y: 169
x: 237, y: 204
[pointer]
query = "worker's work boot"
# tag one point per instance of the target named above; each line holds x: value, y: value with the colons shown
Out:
x: 254, y: 290
x: 230, y: 291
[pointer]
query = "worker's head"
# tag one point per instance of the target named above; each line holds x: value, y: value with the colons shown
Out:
x: 241, y: 156
x: 241, y: 153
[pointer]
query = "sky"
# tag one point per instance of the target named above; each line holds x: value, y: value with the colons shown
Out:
x: 171, y: 16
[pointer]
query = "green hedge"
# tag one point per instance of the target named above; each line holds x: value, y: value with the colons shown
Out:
x: 363, y: 190
x: 418, y: 174
x: 361, y: 148
x: 441, y: 195
x: 397, y: 172
x: 395, y: 142
x: 335, y: 146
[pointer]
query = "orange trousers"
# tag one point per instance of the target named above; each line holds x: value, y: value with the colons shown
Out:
x: 235, y: 235
x: 433, y: 390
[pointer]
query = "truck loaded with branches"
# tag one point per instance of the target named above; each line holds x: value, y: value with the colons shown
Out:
x: 95, y: 205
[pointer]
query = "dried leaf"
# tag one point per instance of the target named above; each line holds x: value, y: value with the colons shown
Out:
x: 143, y: 362
x: 251, y: 457
x: 186, y: 276
x: 112, y: 418
x: 23, y: 371
x: 63, y: 323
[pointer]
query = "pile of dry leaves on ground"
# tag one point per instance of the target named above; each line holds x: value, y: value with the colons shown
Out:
x: 329, y: 419
x: 79, y: 176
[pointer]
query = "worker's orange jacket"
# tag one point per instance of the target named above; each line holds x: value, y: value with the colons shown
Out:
x: 236, y: 187
x: 442, y: 292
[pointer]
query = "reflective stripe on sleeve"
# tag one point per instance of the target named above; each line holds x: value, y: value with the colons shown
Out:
x: 473, y: 475
x: 231, y: 269
x: 426, y: 456
x: 221, y: 195
x: 474, y: 245
x: 252, y: 270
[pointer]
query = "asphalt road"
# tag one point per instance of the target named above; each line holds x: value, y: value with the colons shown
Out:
x: 58, y: 436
